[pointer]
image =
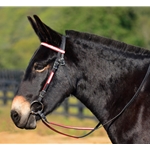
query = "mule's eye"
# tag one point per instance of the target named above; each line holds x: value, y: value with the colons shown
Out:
x: 40, y: 68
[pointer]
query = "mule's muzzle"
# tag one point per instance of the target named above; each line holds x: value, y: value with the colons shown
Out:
x: 21, y: 113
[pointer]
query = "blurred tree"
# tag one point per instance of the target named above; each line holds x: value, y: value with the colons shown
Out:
x: 18, y: 41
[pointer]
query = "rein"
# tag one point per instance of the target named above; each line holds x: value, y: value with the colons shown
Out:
x: 61, y: 62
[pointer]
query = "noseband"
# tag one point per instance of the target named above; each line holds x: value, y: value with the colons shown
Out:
x: 61, y: 62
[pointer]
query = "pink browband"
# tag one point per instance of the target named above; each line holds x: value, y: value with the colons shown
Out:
x: 53, y: 48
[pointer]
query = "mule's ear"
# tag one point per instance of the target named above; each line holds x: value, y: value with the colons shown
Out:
x: 33, y: 24
x: 45, y: 33
x: 36, y: 29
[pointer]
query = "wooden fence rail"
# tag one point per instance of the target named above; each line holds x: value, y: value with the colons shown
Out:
x: 9, y: 82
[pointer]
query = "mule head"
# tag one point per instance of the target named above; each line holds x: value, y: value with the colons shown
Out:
x: 35, y: 77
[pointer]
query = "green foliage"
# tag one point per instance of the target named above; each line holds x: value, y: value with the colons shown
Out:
x: 18, y: 40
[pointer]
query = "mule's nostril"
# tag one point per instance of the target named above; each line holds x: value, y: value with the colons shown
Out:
x: 15, y: 116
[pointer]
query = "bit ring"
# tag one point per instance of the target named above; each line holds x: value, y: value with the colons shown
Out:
x: 38, y: 112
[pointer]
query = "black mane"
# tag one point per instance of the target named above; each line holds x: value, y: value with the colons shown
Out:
x: 109, y: 43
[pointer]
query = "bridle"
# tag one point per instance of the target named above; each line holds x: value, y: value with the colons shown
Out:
x: 58, y: 62
x: 61, y: 62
